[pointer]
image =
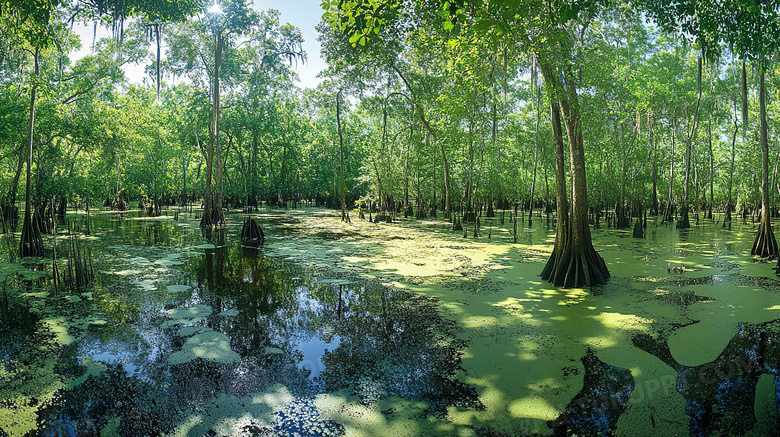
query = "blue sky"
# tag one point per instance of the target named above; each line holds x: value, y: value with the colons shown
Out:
x: 304, y: 14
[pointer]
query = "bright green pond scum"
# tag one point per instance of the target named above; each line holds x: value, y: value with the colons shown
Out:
x: 392, y: 329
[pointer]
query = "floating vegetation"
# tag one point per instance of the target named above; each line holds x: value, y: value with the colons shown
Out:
x: 721, y: 395
x: 331, y: 329
x: 377, y: 356
x: 596, y: 408
x: 208, y: 345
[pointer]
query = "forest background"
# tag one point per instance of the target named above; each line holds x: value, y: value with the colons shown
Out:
x: 426, y: 108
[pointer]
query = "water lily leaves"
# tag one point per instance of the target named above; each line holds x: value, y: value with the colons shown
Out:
x: 127, y: 272
x: 191, y: 330
x: 146, y: 285
x: 186, y: 315
x: 334, y: 281
x: 168, y: 262
x: 178, y: 288
x: 139, y: 260
x: 210, y: 345
x: 86, y: 322
x: 59, y: 327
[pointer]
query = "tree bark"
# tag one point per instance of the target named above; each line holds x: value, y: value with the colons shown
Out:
x: 712, y: 168
x: 727, y: 216
x: 31, y: 242
x: 212, y: 199
x: 344, y: 214
x: 684, y: 222
x: 765, y: 244
x: 574, y: 262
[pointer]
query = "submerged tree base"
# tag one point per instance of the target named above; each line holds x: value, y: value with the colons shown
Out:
x: 765, y: 245
x: 251, y: 232
x: 31, y: 243
x: 684, y: 222
x: 216, y: 218
x: 575, y: 268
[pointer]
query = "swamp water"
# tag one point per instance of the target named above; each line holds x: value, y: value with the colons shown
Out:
x: 391, y: 329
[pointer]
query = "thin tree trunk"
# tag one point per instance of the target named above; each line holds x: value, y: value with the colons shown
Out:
x: 670, y: 202
x: 684, y: 222
x: 765, y: 244
x: 654, y: 170
x: 727, y: 217
x: 157, y: 28
x: 344, y: 215
x: 212, y: 212
x: 712, y: 166
x: 14, y: 189
x: 31, y: 242
x: 537, y: 96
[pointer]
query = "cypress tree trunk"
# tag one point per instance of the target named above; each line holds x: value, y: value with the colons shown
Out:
x: 765, y: 244
x: 31, y: 242
x: 212, y: 199
x: 344, y: 214
x: 684, y: 222
x: 727, y: 217
x: 712, y: 168
x: 574, y: 262
x: 670, y: 202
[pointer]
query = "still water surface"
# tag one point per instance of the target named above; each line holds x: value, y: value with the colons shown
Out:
x: 321, y: 332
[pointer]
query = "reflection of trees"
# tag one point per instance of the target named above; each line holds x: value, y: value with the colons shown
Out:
x: 142, y: 408
x: 395, y: 343
x: 720, y: 395
x: 268, y: 298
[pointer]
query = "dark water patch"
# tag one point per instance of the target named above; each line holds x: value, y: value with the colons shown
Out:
x: 138, y: 408
x: 397, y: 344
x: 720, y: 395
x: 726, y: 266
x: 768, y: 284
x: 595, y: 410
x: 297, y: 328
x: 682, y: 298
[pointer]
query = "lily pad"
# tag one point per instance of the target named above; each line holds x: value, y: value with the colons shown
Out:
x: 127, y: 272
x: 190, y: 330
x: 146, y: 285
x: 178, y: 288
x: 168, y: 262
x: 186, y: 315
x: 210, y: 345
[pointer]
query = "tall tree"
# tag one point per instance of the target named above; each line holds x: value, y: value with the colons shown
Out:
x: 33, y: 23
x: 752, y: 29
x: 550, y: 32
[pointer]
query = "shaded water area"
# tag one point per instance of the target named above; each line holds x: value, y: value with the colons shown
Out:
x: 394, y: 329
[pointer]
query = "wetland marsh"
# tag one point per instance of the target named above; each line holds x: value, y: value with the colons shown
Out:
x: 388, y: 329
